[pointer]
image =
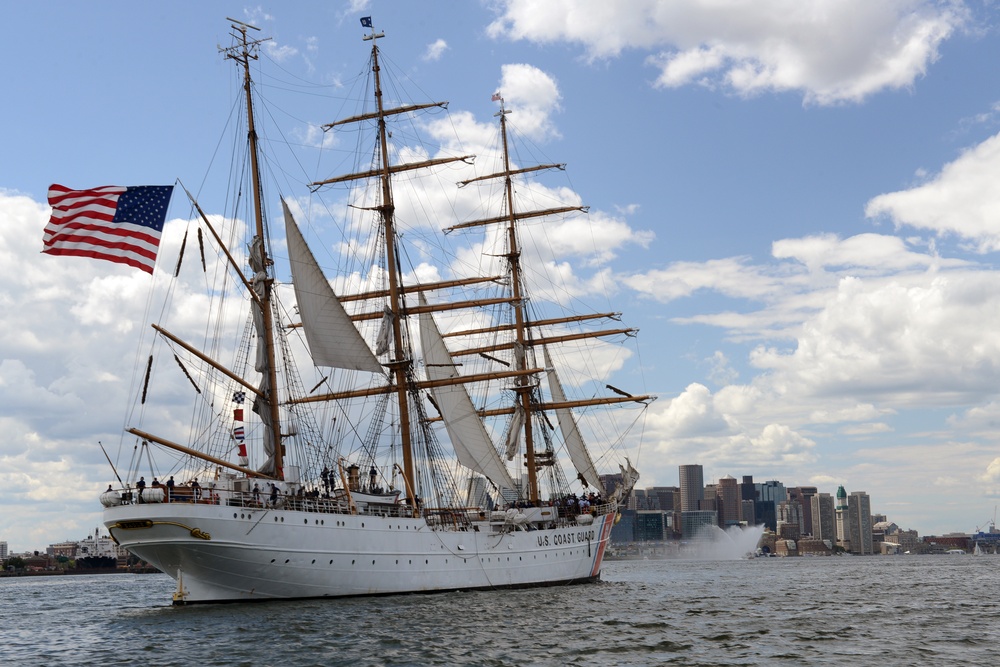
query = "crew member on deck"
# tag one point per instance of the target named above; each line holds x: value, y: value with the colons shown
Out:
x: 141, y: 484
x: 372, y: 478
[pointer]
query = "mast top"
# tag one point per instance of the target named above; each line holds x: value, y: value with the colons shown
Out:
x: 245, y: 25
x: 366, y: 22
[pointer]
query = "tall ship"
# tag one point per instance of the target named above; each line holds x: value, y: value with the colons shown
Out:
x: 428, y: 449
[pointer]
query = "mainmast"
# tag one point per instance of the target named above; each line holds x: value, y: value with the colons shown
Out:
x: 401, y: 364
x: 243, y: 53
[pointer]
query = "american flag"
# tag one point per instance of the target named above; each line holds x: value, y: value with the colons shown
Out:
x: 115, y: 223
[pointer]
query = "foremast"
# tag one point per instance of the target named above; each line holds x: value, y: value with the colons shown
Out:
x: 267, y: 400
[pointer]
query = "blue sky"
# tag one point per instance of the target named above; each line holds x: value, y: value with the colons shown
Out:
x: 797, y: 202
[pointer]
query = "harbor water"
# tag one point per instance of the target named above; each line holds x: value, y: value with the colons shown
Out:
x: 894, y: 610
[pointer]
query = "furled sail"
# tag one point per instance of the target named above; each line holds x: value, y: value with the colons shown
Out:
x: 261, y: 406
x: 577, y: 449
x: 629, y: 477
x: 473, y: 446
x: 332, y: 337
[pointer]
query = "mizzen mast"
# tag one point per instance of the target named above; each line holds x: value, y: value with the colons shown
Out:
x: 522, y: 327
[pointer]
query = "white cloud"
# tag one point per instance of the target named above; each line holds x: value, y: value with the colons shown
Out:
x: 830, y: 50
x: 691, y: 413
x: 435, y: 50
x: 961, y: 200
x: 534, y: 95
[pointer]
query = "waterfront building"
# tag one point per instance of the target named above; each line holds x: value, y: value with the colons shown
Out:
x: 652, y: 525
x: 769, y: 494
x: 789, y: 519
x: 823, y: 517
x: 638, y: 500
x: 668, y: 498
x: 623, y: 532
x: 699, y: 524
x: 859, y: 507
x: 3, y: 551
x: 748, y: 498
x: 692, y: 482
x: 843, y: 519
x: 729, y: 502
x: 804, y: 495
x: 747, y: 512
x: 904, y: 541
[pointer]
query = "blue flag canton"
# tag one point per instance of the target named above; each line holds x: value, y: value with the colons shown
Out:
x: 366, y: 21
x: 144, y: 205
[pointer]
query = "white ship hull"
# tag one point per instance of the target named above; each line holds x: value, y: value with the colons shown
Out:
x: 220, y: 553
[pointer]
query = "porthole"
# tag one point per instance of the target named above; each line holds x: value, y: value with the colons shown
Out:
x: 286, y: 561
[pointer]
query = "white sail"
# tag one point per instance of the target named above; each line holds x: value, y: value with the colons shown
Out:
x: 332, y: 337
x: 577, y: 449
x: 473, y: 446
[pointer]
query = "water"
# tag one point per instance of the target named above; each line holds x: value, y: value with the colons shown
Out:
x: 897, y: 610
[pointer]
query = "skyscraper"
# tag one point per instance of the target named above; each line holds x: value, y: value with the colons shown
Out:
x: 843, y: 519
x: 824, y: 524
x: 729, y: 501
x: 692, y: 479
x: 769, y: 494
x: 859, y: 507
x: 748, y: 501
x: 804, y: 495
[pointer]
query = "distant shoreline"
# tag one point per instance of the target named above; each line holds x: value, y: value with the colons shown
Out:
x: 56, y: 573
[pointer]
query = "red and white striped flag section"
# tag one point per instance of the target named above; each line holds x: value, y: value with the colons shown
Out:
x: 115, y: 223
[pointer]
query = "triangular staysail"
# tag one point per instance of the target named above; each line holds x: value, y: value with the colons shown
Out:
x: 473, y: 446
x: 333, y: 339
x: 575, y: 446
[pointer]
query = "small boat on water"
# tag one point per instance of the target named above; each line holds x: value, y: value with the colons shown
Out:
x: 427, y: 452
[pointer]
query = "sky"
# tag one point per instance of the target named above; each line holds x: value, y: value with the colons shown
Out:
x: 794, y: 200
